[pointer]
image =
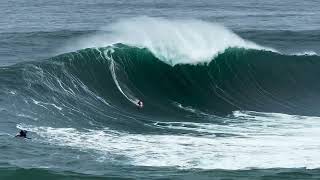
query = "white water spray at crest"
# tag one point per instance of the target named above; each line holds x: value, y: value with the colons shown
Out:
x: 172, y: 41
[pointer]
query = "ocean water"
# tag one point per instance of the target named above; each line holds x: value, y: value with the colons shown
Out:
x: 230, y: 89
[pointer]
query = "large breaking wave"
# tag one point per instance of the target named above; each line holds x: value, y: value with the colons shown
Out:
x: 119, y: 75
x: 171, y: 41
x: 236, y: 79
x: 202, y: 86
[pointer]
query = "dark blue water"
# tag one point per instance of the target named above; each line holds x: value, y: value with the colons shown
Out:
x: 230, y: 89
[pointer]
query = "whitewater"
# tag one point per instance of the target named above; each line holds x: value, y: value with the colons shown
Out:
x: 252, y: 140
x: 172, y: 41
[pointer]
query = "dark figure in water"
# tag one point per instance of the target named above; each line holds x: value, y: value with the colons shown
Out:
x: 140, y: 104
x: 22, y: 133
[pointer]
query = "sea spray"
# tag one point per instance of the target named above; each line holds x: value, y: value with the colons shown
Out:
x: 172, y: 41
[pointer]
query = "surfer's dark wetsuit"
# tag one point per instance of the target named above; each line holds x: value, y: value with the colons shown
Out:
x: 140, y: 104
x: 22, y: 133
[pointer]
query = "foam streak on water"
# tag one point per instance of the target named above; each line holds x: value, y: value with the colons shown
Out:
x: 255, y: 140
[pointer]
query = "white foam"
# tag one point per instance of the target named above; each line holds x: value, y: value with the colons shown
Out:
x: 306, y: 53
x: 12, y: 92
x: 190, y: 109
x: 172, y: 41
x: 42, y: 104
x: 259, y: 140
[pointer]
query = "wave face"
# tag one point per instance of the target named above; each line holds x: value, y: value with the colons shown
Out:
x: 236, y: 79
x: 118, y: 76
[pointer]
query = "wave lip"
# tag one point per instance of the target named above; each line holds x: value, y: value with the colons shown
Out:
x: 173, y: 41
x: 179, y: 41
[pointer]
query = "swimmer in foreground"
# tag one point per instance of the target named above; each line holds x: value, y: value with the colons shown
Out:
x: 22, y: 133
x: 140, y: 104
